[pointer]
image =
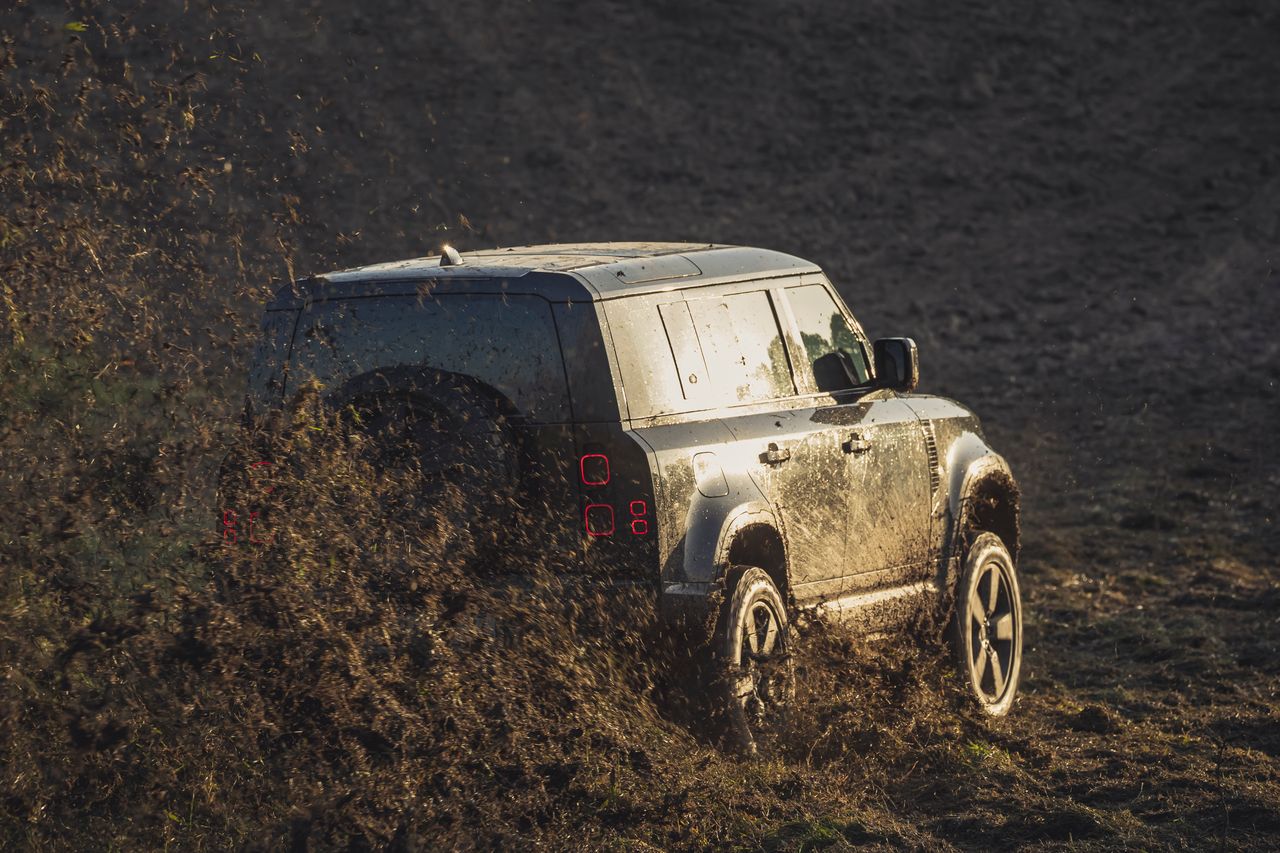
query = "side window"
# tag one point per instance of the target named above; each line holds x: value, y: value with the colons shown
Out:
x: 743, y: 347
x: 833, y: 351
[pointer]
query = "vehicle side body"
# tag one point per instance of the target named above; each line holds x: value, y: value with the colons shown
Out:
x: 668, y: 402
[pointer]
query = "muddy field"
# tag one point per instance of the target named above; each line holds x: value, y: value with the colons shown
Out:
x: 1074, y: 208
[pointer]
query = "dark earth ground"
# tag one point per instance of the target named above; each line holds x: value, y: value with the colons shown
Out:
x: 1073, y: 207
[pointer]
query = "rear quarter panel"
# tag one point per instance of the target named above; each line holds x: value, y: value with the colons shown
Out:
x: 704, y: 484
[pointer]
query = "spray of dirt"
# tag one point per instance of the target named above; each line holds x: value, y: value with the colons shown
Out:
x: 362, y: 682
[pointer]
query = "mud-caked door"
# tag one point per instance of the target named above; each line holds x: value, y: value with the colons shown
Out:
x: 883, y: 470
x: 887, y: 530
x: 797, y: 463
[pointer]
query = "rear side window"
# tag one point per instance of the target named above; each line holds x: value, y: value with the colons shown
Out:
x: 507, y: 342
x: 691, y: 367
x: 651, y: 381
x: 831, y: 348
x: 678, y: 356
x: 743, y: 347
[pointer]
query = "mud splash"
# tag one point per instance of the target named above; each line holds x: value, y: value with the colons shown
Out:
x: 1083, y: 232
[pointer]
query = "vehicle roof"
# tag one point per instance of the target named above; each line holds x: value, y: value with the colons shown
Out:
x: 560, y: 270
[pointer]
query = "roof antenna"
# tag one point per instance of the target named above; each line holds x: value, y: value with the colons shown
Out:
x: 450, y: 257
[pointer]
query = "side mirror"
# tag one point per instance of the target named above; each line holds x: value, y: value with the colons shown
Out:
x: 897, y: 364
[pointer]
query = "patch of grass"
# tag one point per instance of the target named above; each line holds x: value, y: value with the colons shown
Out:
x: 808, y: 835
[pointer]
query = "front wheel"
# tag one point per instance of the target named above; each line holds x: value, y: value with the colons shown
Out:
x: 753, y: 653
x: 987, y: 631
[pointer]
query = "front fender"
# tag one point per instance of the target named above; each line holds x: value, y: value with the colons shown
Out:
x: 972, y: 466
x: 969, y: 460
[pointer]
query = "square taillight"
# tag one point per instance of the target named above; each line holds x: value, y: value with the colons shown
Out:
x: 599, y: 520
x: 595, y: 469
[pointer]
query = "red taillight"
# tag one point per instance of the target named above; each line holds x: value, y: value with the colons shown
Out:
x: 599, y: 520
x: 594, y: 468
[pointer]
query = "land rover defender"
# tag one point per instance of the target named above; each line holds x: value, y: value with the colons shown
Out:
x: 709, y: 420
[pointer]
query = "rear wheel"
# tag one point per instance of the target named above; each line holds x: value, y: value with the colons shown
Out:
x: 753, y: 655
x: 987, y: 630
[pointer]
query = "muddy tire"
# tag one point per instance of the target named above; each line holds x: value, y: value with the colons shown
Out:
x: 986, y: 631
x: 755, y: 679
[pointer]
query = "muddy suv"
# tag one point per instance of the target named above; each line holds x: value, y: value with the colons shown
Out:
x: 709, y: 420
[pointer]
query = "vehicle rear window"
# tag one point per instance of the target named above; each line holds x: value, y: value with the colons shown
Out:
x: 507, y: 342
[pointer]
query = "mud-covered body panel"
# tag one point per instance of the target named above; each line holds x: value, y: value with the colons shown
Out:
x: 888, y: 529
x: 702, y: 483
x: 808, y: 491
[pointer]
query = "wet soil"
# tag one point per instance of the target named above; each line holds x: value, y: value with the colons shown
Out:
x: 1074, y: 208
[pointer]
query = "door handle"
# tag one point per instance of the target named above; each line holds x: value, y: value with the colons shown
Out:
x: 774, y: 455
x: 856, y: 444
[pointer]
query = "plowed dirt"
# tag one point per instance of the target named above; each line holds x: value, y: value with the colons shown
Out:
x: 1074, y: 208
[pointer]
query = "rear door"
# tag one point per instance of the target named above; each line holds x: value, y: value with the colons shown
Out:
x: 507, y: 342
